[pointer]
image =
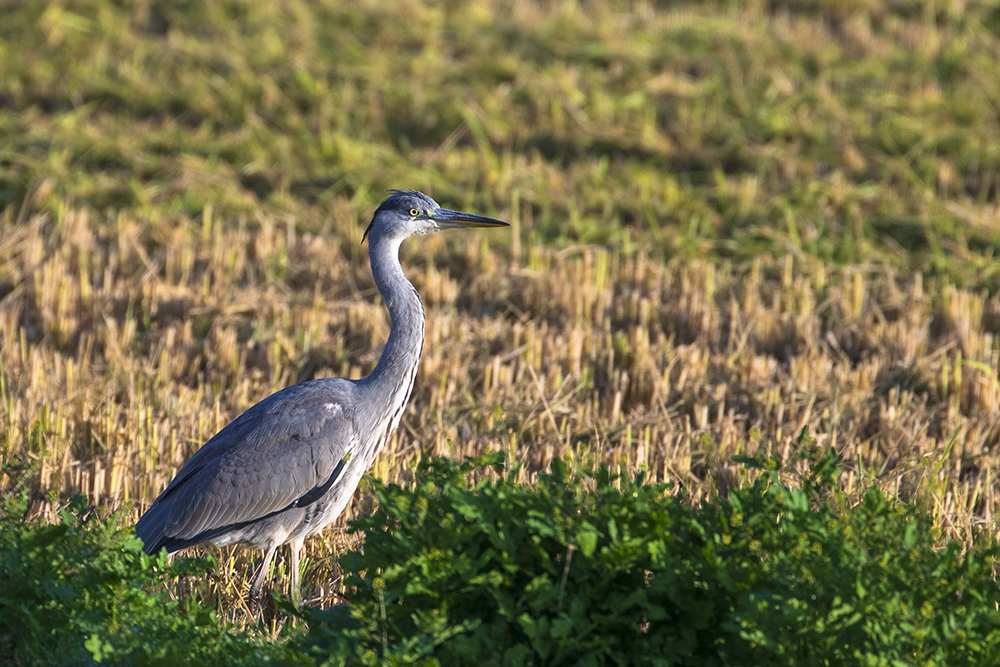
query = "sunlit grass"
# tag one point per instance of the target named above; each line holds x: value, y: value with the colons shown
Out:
x: 841, y: 132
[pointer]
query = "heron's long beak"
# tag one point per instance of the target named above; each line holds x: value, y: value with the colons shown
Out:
x: 447, y: 218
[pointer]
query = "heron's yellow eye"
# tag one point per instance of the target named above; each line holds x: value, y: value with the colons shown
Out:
x: 414, y: 212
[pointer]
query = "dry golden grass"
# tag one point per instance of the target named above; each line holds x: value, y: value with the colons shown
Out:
x: 125, y: 344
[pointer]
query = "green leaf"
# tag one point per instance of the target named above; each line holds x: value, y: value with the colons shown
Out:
x: 586, y: 539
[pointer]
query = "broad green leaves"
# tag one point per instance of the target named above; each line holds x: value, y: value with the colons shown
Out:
x: 574, y: 571
x: 82, y: 590
x: 580, y: 568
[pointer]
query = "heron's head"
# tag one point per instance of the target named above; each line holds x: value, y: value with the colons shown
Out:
x: 410, y: 213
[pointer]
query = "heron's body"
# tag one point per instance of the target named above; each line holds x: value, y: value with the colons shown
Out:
x: 219, y: 499
x: 287, y: 467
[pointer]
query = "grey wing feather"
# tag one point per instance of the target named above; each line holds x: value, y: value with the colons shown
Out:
x: 282, y: 451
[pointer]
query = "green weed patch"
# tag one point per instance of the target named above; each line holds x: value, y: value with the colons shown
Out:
x: 587, y: 569
x: 81, y: 590
x: 582, y: 568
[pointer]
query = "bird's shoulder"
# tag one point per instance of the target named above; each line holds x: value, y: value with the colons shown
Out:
x: 298, y: 411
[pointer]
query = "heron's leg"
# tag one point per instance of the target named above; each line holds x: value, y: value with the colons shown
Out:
x: 295, y: 546
x: 258, y: 581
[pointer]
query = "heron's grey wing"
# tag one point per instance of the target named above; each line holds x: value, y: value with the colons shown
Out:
x: 283, y: 452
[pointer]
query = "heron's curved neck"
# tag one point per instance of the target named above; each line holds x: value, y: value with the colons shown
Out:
x: 391, y: 381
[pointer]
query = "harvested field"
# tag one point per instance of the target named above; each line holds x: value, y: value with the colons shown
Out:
x: 127, y: 346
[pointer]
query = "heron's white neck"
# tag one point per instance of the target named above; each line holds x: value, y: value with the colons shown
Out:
x: 389, y: 385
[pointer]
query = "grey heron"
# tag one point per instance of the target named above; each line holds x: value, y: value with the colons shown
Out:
x: 288, y: 466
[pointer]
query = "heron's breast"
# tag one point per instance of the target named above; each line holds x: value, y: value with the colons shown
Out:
x: 326, y: 510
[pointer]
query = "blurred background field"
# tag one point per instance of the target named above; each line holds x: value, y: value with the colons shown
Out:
x: 730, y: 221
